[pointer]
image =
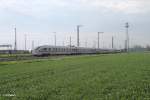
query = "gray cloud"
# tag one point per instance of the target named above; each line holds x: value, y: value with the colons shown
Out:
x: 35, y: 7
x: 42, y: 17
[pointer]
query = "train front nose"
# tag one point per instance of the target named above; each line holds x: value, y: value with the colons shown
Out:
x: 34, y: 52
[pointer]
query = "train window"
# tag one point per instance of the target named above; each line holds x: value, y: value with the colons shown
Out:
x: 75, y: 50
x: 68, y: 50
x: 55, y: 49
x: 49, y: 49
x: 37, y: 48
x: 43, y: 49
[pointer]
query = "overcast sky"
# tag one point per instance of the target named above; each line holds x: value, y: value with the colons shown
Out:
x: 40, y: 18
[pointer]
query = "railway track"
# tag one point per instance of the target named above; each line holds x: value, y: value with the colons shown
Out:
x: 29, y: 57
x: 5, y: 58
x: 19, y: 58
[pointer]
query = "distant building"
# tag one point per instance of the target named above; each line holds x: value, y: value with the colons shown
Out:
x: 6, y: 47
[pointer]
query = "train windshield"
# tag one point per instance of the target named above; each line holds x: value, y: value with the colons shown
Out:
x: 37, y: 48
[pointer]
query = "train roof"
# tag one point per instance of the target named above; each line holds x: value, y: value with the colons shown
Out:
x: 51, y: 46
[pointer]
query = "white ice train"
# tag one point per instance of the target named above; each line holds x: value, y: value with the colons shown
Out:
x: 67, y: 50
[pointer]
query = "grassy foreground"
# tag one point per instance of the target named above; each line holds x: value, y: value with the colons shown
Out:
x: 100, y: 77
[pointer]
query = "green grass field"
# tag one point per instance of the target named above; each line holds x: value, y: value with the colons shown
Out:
x: 97, y: 77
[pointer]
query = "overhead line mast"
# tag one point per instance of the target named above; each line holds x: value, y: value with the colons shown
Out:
x: 55, y: 38
x: 98, y: 38
x: 15, y: 48
x: 112, y: 42
x: 127, y: 36
x: 70, y: 41
x: 78, y: 37
x: 25, y: 40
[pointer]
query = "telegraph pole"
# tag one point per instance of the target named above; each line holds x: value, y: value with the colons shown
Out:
x: 63, y: 43
x: 15, y: 48
x: 98, y: 38
x: 70, y: 41
x: 32, y: 45
x: 78, y: 31
x: 127, y: 36
x: 86, y: 43
x: 55, y: 37
x: 125, y: 44
x: 94, y: 44
x: 25, y: 40
x: 112, y: 42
